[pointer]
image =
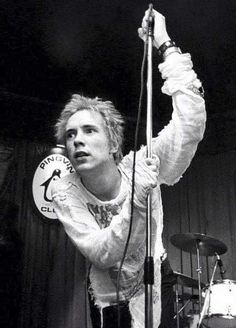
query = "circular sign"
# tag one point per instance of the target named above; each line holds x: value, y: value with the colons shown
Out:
x: 51, y: 168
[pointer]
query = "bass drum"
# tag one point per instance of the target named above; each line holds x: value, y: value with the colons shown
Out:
x: 219, y: 309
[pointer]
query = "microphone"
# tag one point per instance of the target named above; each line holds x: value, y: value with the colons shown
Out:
x: 221, y: 267
x: 150, y: 20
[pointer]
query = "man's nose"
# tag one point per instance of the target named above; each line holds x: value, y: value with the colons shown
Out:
x: 79, y: 139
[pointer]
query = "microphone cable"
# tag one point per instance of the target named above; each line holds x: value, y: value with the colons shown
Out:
x: 133, y: 180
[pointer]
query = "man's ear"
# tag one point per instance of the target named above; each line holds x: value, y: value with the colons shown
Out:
x: 113, y: 147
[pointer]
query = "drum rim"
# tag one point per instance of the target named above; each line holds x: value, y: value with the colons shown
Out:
x: 224, y: 316
x: 223, y: 281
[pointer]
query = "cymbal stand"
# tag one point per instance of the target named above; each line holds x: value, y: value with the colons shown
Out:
x: 199, y: 272
x: 177, y: 305
x: 178, y: 311
x: 208, y: 292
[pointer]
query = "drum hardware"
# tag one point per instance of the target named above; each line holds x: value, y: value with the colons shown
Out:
x: 199, y: 244
x: 185, y: 281
x: 193, y: 321
x: 186, y: 296
x: 176, y: 316
x: 192, y: 298
x: 207, y: 293
x: 178, y: 311
x: 189, y: 298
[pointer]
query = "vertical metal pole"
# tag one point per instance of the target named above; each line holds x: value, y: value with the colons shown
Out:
x: 207, y: 295
x: 199, y: 272
x: 177, y: 304
x: 149, y: 265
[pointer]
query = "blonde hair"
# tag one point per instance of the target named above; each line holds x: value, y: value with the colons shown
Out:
x: 113, y: 120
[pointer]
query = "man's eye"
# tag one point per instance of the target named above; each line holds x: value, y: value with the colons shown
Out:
x: 90, y: 130
x: 70, y: 135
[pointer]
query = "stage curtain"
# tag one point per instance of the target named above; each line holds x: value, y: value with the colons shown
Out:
x: 203, y: 202
x: 53, y: 272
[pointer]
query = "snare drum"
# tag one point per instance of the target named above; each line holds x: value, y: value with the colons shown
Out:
x: 219, y: 309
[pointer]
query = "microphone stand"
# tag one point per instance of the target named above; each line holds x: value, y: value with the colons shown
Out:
x: 149, y: 263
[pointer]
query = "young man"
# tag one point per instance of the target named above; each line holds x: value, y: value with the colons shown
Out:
x: 94, y: 203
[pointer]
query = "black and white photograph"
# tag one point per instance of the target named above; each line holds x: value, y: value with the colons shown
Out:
x: 117, y: 164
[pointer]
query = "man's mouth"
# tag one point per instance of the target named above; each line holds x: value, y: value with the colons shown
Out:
x: 80, y: 154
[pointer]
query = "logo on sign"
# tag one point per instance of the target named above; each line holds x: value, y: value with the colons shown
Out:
x: 51, y: 168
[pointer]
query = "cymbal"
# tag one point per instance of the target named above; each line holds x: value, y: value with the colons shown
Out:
x: 187, y: 281
x: 208, y: 246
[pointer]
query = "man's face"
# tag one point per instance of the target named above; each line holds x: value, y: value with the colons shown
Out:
x: 87, y: 143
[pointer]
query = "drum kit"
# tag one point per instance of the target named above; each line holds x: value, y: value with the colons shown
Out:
x: 217, y: 299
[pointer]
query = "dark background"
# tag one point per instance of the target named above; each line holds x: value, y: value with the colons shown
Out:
x: 51, y: 49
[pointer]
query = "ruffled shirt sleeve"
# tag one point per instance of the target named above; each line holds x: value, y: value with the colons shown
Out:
x: 177, y: 143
